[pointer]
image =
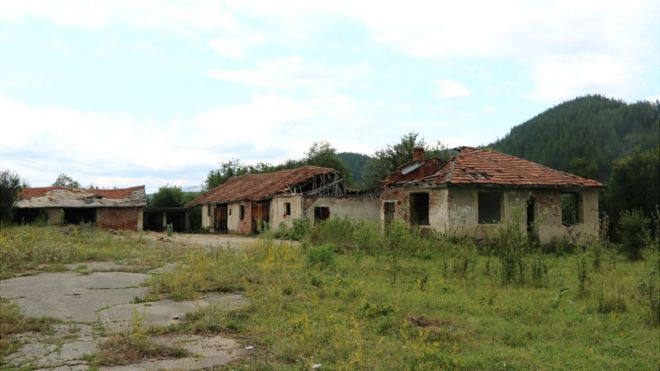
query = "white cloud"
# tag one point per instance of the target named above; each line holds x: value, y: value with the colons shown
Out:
x: 228, y: 47
x: 448, y: 89
x: 569, y: 76
x: 120, y: 150
x: 606, y: 45
x: 197, y: 15
x: 292, y: 73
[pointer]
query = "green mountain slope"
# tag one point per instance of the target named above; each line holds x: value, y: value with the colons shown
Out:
x: 355, y: 163
x: 593, y: 127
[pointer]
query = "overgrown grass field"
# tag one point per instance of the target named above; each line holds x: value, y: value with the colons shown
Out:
x: 349, y: 297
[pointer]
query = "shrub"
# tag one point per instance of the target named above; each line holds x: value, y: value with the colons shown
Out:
x: 633, y: 233
x: 299, y: 229
x: 649, y: 293
x: 611, y: 304
x: 539, y: 270
x: 582, y: 272
x: 510, y: 244
x: 323, y: 255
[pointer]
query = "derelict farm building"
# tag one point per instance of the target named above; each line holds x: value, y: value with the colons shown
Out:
x: 106, y: 208
x: 244, y: 202
x: 476, y: 190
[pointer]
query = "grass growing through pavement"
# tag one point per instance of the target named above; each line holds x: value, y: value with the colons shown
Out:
x: 347, y: 305
x: 132, y: 346
x: 29, y: 248
x: 352, y: 298
x: 13, y: 322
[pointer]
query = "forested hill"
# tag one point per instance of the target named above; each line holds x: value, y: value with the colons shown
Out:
x: 355, y: 163
x: 594, y: 128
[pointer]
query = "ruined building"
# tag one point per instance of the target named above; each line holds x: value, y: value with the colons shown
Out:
x: 476, y: 190
x: 243, y: 203
x: 106, y: 208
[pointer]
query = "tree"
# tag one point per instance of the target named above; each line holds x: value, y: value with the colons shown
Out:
x: 319, y: 154
x: 65, y: 181
x: 324, y: 155
x: 10, y: 185
x: 580, y: 166
x: 634, y: 184
x: 391, y: 157
x: 234, y: 168
x: 168, y: 196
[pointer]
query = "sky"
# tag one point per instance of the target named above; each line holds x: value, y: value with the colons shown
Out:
x: 121, y: 93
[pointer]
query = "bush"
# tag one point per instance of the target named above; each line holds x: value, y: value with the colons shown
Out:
x: 323, y: 256
x: 633, y: 232
x: 510, y: 244
x: 299, y: 230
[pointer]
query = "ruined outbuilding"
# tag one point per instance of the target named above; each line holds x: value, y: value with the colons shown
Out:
x: 242, y: 204
x: 476, y: 190
x: 106, y: 208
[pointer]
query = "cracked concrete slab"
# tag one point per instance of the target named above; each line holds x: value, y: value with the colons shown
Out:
x: 104, y: 267
x: 207, y: 352
x: 164, y: 312
x: 85, y: 301
x: 73, y: 297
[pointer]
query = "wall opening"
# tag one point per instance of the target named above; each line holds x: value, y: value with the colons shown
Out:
x: 419, y: 208
x: 571, y: 208
x: 79, y: 215
x: 221, y: 212
x: 321, y: 213
x: 389, y: 208
x: 27, y: 216
x: 260, y: 216
x: 531, y: 217
x: 490, y: 207
x: 287, y: 208
x: 241, y: 212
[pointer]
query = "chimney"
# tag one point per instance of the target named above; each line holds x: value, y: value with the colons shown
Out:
x: 418, y: 154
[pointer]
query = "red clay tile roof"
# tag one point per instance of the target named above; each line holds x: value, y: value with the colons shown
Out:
x: 475, y: 166
x: 70, y: 197
x: 256, y: 187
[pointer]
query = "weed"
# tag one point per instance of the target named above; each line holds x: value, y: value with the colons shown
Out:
x: 582, y: 271
x: 322, y: 256
x: 649, y: 293
x: 595, y: 251
x: 608, y: 303
x: 510, y: 245
x: 633, y: 230
x: 539, y: 270
x: 134, y: 345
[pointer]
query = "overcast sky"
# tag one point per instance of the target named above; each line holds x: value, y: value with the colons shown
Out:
x: 121, y: 93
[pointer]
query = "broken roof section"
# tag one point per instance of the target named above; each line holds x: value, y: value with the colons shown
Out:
x: 475, y: 166
x: 72, y: 197
x: 258, y: 187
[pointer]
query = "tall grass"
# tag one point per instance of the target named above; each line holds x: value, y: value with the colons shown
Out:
x: 32, y: 247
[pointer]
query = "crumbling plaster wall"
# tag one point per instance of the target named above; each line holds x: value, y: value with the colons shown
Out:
x: 438, y: 213
x: 549, y: 222
x: 234, y: 222
x: 129, y: 218
x: 54, y: 216
x: 278, y: 211
x: 355, y: 208
x: 463, y: 207
x: 207, y: 216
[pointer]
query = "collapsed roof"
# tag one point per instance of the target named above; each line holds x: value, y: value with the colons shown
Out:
x: 46, y: 197
x: 488, y: 168
x: 258, y: 187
